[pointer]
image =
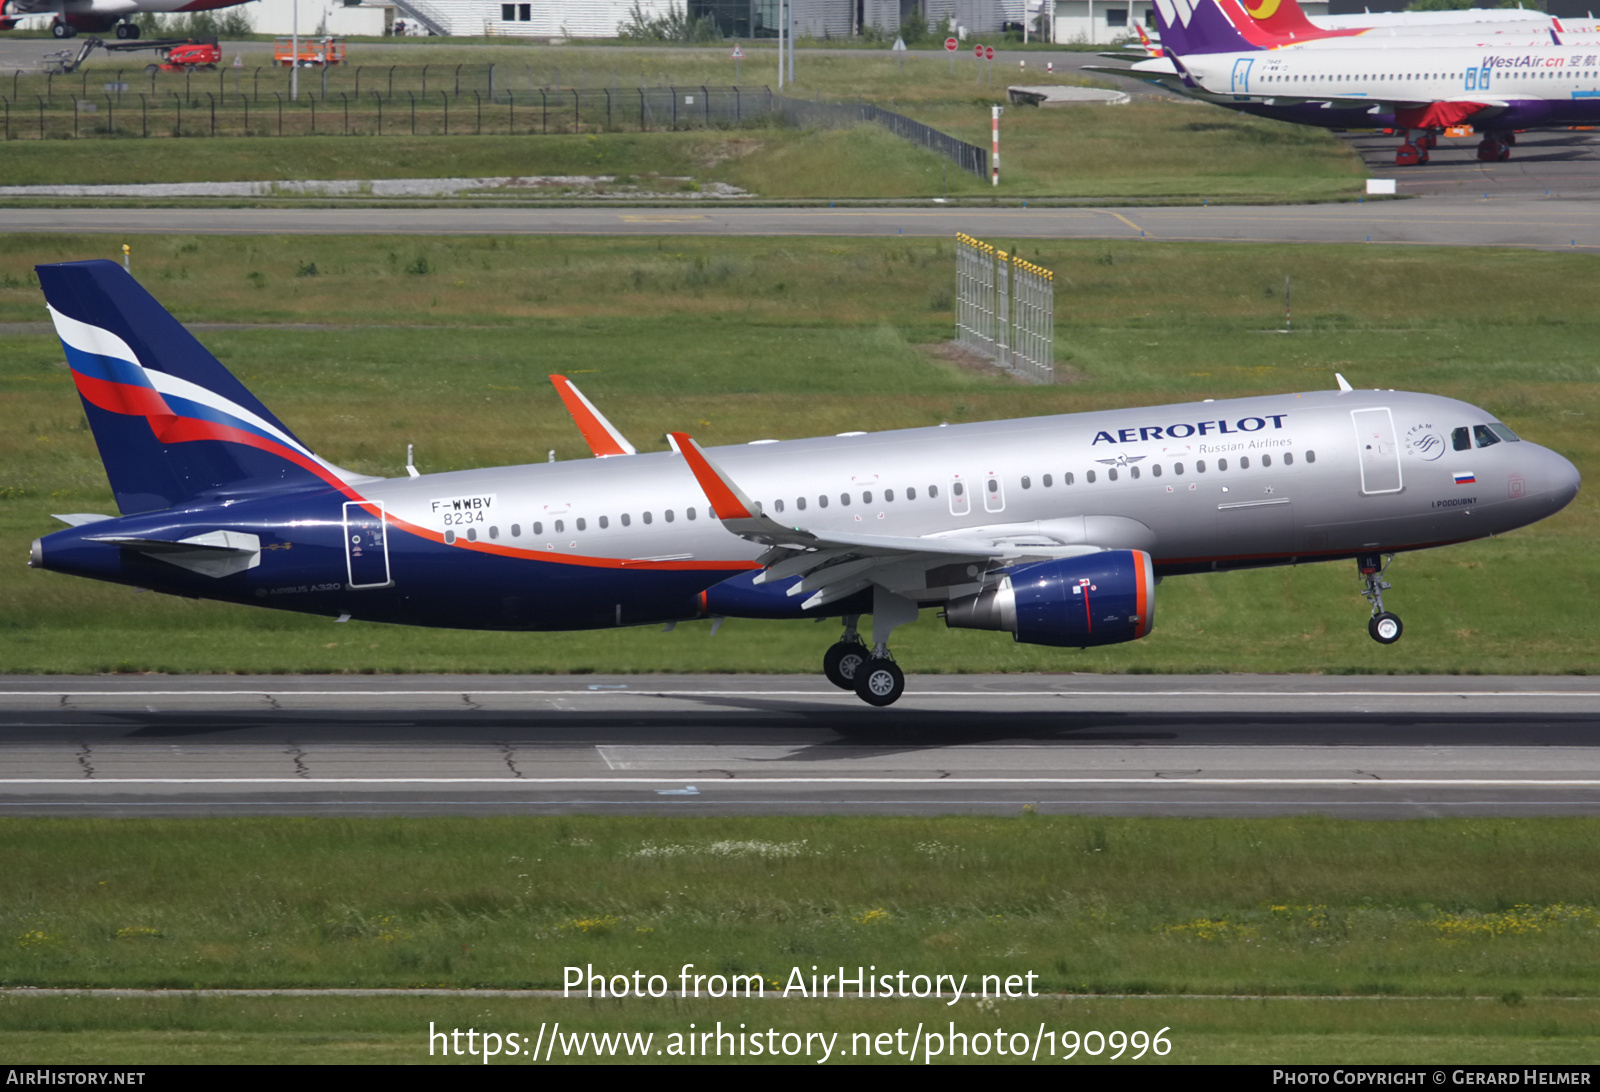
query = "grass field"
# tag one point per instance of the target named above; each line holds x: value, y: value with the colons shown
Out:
x: 1472, y: 941
x: 749, y: 338
x: 1150, y: 149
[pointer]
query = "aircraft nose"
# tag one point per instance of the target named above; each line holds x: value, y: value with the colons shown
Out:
x: 1560, y: 479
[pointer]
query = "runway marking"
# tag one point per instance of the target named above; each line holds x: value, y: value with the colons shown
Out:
x: 1124, y: 219
x: 752, y: 782
x: 637, y: 219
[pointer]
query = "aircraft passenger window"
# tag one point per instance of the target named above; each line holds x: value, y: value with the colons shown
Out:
x: 1177, y: 470
x: 1111, y: 474
x: 1134, y: 472
x: 1484, y: 437
x: 958, y: 488
x: 1067, y: 479
x: 1222, y: 464
x: 888, y: 496
x: 538, y: 528
x: 844, y: 499
x: 627, y: 520
x: 1199, y: 466
x: 994, y: 485
x: 516, y: 530
x: 1266, y: 460
x: 822, y: 501
x: 1155, y: 470
x: 1047, y: 482
x: 800, y: 503
x: 605, y: 521
x: 689, y: 513
x: 648, y: 518
x: 1311, y: 456
x: 472, y: 534
x: 1089, y: 477
x: 933, y: 492
x: 911, y: 492
x: 866, y: 498
x: 1288, y: 458
x: 1027, y: 482
x: 1244, y: 462
x: 777, y: 505
x: 560, y: 527
x: 668, y: 514
x: 449, y: 537
x: 494, y: 532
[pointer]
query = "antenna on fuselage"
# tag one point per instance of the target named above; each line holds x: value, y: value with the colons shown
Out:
x: 411, y: 466
x: 1344, y: 384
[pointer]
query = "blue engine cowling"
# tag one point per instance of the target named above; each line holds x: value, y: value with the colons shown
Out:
x: 1094, y: 599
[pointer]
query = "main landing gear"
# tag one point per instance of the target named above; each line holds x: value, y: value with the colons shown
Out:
x: 1415, y: 155
x: 1384, y: 627
x: 871, y: 673
x: 1496, y: 147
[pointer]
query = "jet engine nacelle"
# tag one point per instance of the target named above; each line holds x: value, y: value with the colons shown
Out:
x: 1094, y: 599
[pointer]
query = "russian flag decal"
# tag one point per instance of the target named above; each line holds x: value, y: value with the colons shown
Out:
x: 1464, y: 477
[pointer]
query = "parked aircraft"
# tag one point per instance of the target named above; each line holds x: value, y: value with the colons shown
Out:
x: 1497, y: 90
x: 1054, y: 529
x: 99, y: 16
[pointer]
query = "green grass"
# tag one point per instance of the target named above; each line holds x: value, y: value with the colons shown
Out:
x: 739, y: 339
x: 1310, y: 906
x: 1148, y: 150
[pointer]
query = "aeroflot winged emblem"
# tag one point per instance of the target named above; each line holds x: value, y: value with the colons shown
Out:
x: 1123, y: 460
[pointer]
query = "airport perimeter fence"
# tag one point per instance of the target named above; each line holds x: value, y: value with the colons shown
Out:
x: 419, y: 100
x: 1005, y: 309
x: 969, y: 157
x: 389, y: 100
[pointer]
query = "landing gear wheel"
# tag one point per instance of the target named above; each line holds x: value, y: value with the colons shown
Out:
x: 842, y: 662
x: 880, y: 682
x: 1385, y: 628
x: 127, y: 30
x: 62, y: 30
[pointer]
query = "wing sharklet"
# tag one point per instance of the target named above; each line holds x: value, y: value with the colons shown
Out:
x: 600, y: 434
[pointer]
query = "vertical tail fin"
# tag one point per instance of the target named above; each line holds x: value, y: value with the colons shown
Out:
x: 1200, y: 26
x: 171, y: 422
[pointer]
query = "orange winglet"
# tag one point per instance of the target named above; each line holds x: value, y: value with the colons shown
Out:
x: 724, y: 498
x: 601, y: 436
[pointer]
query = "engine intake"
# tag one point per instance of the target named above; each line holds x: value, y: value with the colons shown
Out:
x: 1074, y: 602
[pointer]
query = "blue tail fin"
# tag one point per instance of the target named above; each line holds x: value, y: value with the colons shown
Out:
x: 172, y: 424
x: 1200, y: 26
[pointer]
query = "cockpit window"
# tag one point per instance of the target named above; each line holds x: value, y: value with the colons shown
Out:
x: 1461, y: 439
x: 1484, y: 437
x: 1504, y: 433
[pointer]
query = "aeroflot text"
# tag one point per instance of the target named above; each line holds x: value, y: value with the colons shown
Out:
x: 848, y: 982
x: 1182, y: 430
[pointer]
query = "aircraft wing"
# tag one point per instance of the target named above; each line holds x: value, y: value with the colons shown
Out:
x: 833, y: 565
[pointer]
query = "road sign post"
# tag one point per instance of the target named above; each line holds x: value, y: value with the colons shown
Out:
x: 738, y: 56
x: 950, y: 45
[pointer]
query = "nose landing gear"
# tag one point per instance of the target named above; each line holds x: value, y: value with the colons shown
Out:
x: 1384, y: 627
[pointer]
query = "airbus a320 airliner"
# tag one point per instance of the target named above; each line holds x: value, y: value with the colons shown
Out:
x: 1054, y: 529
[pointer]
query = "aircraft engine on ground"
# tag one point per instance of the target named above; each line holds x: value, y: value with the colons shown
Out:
x: 1095, y: 599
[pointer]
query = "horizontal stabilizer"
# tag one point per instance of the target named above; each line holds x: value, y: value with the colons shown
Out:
x: 78, y: 519
x: 215, y: 554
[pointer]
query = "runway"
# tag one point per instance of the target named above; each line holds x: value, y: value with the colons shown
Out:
x: 718, y: 745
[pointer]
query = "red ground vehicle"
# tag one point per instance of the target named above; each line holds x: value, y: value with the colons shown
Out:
x: 188, y: 54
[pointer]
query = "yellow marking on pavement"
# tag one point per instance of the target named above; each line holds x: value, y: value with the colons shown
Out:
x: 1124, y: 219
